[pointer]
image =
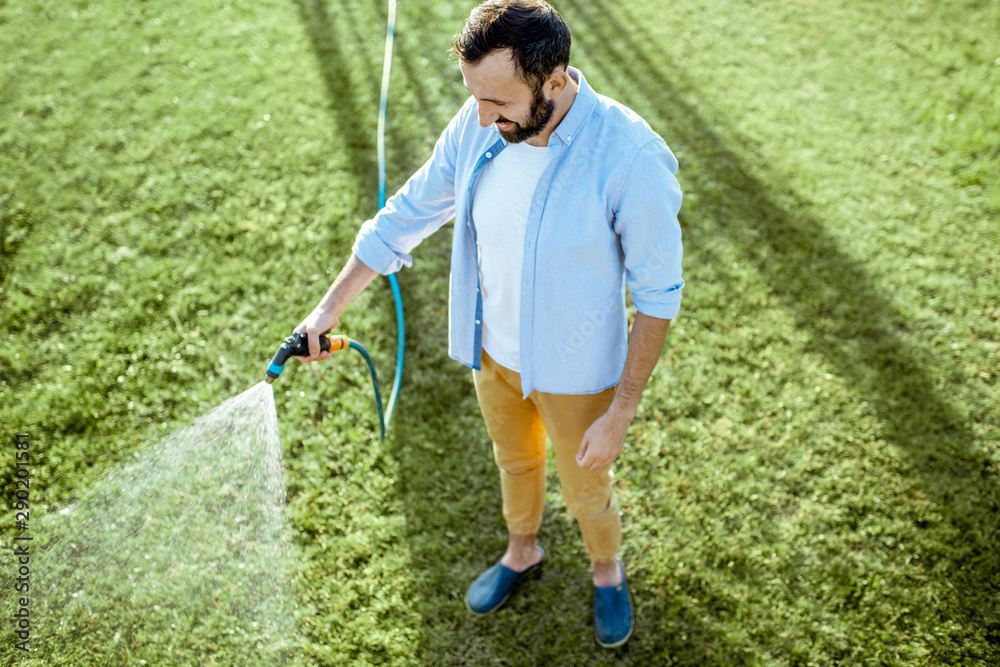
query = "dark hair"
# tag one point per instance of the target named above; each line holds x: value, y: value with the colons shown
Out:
x: 531, y: 29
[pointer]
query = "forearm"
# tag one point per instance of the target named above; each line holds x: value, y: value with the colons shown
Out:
x: 350, y: 282
x: 603, y: 441
x: 645, y: 342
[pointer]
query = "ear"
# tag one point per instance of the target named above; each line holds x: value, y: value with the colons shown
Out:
x: 557, y: 83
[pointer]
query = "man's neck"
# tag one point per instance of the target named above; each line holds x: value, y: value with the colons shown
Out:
x: 563, y: 104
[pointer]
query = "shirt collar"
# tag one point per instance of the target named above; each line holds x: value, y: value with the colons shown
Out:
x: 583, y: 104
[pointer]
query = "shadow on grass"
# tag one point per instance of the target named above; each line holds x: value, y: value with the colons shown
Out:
x: 852, y: 324
x: 352, y: 112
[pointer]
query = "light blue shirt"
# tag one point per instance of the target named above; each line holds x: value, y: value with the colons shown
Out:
x: 603, y: 217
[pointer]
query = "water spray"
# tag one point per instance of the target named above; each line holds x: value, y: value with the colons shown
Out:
x: 297, y: 345
x: 201, y: 511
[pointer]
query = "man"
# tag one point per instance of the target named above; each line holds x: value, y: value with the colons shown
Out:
x: 561, y: 199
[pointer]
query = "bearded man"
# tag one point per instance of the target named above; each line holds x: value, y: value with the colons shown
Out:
x: 562, y: 199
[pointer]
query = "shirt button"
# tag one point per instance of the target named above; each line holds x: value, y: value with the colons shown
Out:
x: 478, y: 322
x: 489, y: 154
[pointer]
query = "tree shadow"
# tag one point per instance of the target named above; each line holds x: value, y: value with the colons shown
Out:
x: 353, y: 112
x: 853, y: 325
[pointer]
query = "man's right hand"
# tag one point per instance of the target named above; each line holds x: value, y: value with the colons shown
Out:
x: 319, y: 321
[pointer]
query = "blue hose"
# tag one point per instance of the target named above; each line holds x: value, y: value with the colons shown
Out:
x: 297, y: 344
x: 378, y: 395
x: 390, y: 33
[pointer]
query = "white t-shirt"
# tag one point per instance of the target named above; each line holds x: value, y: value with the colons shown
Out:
x: 500, y: 208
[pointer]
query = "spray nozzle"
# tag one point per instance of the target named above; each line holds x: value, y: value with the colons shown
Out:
x: 297, y: 345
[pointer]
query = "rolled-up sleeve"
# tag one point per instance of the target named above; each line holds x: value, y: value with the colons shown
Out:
x: 421, y: 207
x: 646, y: 222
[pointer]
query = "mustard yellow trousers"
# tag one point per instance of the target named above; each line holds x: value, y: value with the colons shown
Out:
x: 518, y: 428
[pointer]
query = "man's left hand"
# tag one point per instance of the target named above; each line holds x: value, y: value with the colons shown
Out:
x: 603, y: 441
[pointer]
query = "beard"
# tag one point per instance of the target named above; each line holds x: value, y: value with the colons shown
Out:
x: 538, y: 117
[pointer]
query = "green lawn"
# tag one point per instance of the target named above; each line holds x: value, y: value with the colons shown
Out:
x: 813, y: 475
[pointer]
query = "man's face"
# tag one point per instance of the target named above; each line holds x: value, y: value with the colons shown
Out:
x: 519, y: 112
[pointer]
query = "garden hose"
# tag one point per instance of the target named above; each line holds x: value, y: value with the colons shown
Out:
x: 298, y: 344
x: 397, y: 297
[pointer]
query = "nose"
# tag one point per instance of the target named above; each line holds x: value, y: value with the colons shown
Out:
x: 487, y: 114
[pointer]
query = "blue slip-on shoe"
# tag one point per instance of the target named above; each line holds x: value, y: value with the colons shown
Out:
x: 492, y: 588
x: 613, y: 617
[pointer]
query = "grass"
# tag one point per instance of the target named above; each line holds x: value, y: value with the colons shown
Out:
x: 812, y: 477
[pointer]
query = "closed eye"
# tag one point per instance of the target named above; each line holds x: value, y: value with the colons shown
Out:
x: 483, y: 99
